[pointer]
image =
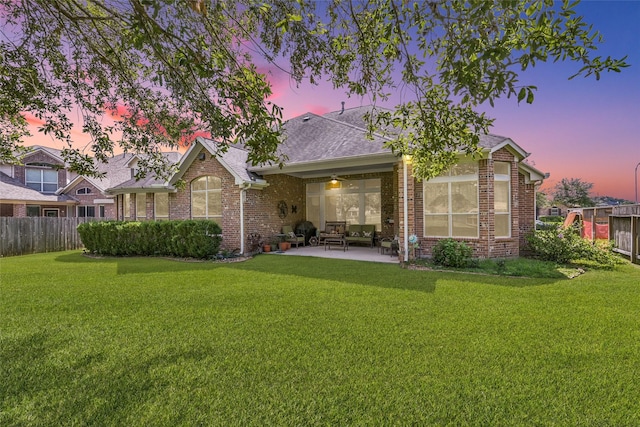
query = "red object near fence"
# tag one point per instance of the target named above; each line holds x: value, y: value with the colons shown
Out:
x: 602, y: 230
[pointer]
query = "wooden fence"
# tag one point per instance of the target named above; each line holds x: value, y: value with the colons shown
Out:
x: 21, y: 236
x: 624, y: 231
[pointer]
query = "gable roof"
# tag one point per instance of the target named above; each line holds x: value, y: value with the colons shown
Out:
x: 52, y: 152
x: 134, y: 185
x: 234, y: 160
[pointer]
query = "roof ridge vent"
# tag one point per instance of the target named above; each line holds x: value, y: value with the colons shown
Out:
x: 306, y: 118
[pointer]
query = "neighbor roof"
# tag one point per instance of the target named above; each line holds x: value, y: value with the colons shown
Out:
x: 12, y: 190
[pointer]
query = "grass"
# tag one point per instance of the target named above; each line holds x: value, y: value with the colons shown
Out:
x: 305, y: 341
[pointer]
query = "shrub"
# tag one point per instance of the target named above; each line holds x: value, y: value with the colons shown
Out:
x: 450, y: 253
x: 552, y: 218
x: 563, y: 245
x: 190, y: 238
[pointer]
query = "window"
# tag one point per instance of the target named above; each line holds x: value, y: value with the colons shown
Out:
x: 126, y: 206
x: 206, y: 197
x: 84, y: 190
x: 86, y: 211
x: 41, y: 177
x: 141, y: 206
x: 161, y: 205
x: 101, y: 207
x: 33, y: 210
x: 451, y: 202
x: 353, y: 201
x: 502, y: 198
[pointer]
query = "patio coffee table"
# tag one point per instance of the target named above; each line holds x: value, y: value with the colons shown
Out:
x: 335, y: 241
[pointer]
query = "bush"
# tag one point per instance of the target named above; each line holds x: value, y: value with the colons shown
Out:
x: 450, y: 253
x: 563, y: 245
x: 188, y: 239
x: 552, y: 218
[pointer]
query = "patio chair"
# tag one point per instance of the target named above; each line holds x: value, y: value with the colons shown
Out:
x: 390, y: 245
x: 292, y: 237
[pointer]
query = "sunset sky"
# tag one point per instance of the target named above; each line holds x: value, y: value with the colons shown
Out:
x: 580, y: 128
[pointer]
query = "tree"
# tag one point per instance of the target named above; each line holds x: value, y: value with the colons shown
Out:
x: 542, y: 200
x: 573, y: 192
x: 166, y: 69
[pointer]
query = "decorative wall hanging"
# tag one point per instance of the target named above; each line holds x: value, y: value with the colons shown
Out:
x: 282, y: 209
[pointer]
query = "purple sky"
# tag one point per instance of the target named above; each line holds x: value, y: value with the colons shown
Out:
x: 580, y: 128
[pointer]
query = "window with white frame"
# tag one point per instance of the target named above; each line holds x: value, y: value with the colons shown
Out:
x: 161, y: 206
x: 451, y: 202
x: 41, y: 177
x: 86, y: 211
x: 83, y: 190
x: 206, y: 197
x: 353, y: 201
x: 502, y: 198
x: 141, y: 206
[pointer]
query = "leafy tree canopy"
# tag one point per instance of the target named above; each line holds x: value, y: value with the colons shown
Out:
x: 573, y: 192
x: 165, y: 69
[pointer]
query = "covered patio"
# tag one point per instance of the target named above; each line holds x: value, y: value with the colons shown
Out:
x: 356, y: 253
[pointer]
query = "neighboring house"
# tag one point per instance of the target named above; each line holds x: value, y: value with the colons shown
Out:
x: 334, y: 172
x: 42, y: 186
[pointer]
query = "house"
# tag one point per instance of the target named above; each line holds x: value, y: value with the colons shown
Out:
x: 42, y: 186
x: 334, y: 172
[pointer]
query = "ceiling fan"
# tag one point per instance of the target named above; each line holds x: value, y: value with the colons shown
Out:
x: 335, y: 179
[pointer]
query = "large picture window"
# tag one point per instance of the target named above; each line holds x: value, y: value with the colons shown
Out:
x: 41, y: 177
x: 141, y: 206
x: 502, y: 198
x: 161, y: 206
x: 206, y: 197
x: 354, y: 201
x: 126, y: 206
x: 451, y: 202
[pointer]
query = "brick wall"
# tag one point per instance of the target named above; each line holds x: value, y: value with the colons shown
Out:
x: 41, y: 157
x: 89, y: 200
x: 527, y: 214
x: 486, y: 245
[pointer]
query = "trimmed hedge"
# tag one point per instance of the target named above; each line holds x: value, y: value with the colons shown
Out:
x: 186, y: 239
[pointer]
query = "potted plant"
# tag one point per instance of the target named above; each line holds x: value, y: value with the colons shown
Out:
x: 266, y: 247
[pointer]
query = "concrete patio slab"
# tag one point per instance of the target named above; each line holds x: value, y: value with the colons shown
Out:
x: 357, y: 253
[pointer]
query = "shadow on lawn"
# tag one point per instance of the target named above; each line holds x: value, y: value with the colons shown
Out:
x: 378, y: 274
x: 354, y: 272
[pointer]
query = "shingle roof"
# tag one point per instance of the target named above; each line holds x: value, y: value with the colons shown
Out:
x: 120, y: 171
x: 234, y: 158
x: 12, y: 189
x: 310, y: 138
x: 341, y: 134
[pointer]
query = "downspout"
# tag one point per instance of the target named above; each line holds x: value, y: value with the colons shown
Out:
x: 243, y: 191
x: 405, y: 208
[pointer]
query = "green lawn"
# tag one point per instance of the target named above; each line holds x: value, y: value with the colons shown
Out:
x: 296, y: 341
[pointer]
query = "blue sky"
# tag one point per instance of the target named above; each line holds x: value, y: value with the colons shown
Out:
x: 580, y: 128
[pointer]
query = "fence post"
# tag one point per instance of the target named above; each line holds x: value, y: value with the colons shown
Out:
x: 634, y: 238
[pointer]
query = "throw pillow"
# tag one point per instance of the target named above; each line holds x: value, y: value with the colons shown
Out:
x: 355, y: 234
x: 366, y: 233
x: 292, y: 234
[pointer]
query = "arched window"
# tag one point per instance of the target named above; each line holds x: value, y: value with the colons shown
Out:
x: 84, y: 190
x: 206, y: 197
